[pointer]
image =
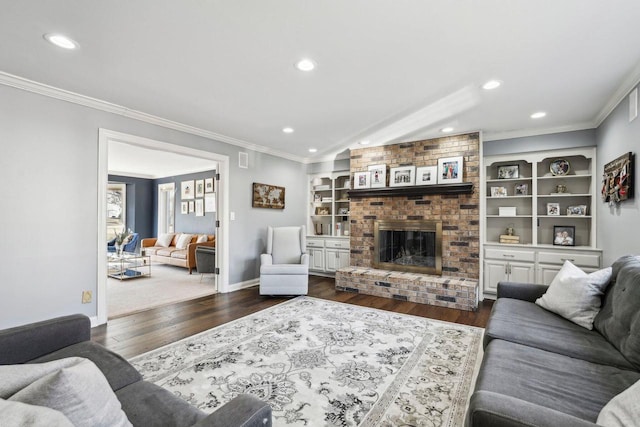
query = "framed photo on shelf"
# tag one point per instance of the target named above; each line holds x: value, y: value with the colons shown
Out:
x: 317, y: 197
x: 426, y: 175
x: 580, y: 210
x: 564, y: 235
x: 378, y: 176
x: 508, y: 171
x: 450, y: 170
x: 498, y: 192
x: 521, y: 190
x: 402, y: 176
x: 200, y: 188
x: 361, y: 180
x: 553, y: 209
x: 343, y: 211
x: 323, y: 210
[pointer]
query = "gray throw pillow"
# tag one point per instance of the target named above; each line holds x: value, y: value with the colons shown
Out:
x: 81, y: 392
x: 623, y: 410
x: 17, y: 377
x: 18, y: 414
x: 576, y: 295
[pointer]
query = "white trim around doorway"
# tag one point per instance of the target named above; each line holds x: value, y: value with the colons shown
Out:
x: 222, y: 254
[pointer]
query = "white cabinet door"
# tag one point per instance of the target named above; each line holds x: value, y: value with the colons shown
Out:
x: 521, y: 272
x: 494, y: 272
x: 331, y: 259
x: 316, y: 259
x: 343, y: 259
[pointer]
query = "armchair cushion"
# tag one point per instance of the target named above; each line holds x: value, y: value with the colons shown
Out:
x: 284, y: 269
x: 286, y: 244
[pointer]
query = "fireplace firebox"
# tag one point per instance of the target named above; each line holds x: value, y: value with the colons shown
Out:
x: 412, y: 246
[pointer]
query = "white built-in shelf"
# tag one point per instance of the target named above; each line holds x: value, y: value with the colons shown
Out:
x: 565, y: 216
x: 565, y: 176
x: 510, y: 197
x: 509, y: 216
x: 563, y: 195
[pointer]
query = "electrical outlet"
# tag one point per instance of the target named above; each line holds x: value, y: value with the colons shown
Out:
x: 86, y: 297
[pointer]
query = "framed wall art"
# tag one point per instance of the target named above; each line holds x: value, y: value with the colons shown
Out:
x: 427, y: 175
x: 208, y: 185
x: 200, y: 206
x: 402, y: 176
x: 362, y: 180
x: 184, y: 208
x: 200, y: 188
x: 192, y: 206
x: 450, y: 170
x: 564, y: 235
x: 617, y: 183
x: 378, y: 176
x: 209, y: 202
x: 187, y: 190
x: 267, y: 196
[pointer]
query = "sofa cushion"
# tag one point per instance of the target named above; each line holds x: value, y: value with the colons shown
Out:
x: 183, y: 241
x: 572, y: 386
x: 152, y: 250
x: 619, y: 318
x: 164, y: 240
x: 16, y: 377
x: 179, y: 254
x: 22, y: 414
x: 166, y: 251
x: 80, y: 392
x: 576, y: 295
x: 623, y: 410
x: 147, y: 404
x: 116, y: 369
x: 525, y: 323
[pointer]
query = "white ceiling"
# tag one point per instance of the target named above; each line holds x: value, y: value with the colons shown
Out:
x: 387, y: 70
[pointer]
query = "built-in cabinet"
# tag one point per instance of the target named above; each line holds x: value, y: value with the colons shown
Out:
x: 329, y: 204
x: 327, y: 254
x: 535, y: 196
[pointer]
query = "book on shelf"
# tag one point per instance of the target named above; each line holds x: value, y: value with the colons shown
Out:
x: 507, y: 238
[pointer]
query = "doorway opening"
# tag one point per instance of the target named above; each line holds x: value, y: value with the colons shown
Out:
x: 167, y: 208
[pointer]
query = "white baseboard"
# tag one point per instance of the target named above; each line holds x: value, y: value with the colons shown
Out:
x: 94, y: 321
x: 243, y: 285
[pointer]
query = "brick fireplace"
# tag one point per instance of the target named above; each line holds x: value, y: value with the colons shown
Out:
x: 458, y: 214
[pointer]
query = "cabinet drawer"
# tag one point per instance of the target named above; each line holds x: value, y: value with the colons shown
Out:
x: 315, y: 243
x: 510, y: 255
x: 339, y: 244
x: 582, y: 260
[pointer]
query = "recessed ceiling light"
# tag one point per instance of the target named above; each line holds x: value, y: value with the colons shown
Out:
x: 538, y: 115
x: 446, y: 130
x: 61, y: 41
x: 287, y: 130
x: 313, y: 150
x: 491, y: 84
x: 305, y: 65
x: 365, y: 142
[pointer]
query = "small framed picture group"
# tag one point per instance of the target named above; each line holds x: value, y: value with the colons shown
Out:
x: 450, y: 170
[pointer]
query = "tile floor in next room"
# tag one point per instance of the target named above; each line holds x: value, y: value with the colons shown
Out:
x: 148, y: 330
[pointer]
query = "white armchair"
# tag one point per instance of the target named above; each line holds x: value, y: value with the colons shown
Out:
x: 284, y: 269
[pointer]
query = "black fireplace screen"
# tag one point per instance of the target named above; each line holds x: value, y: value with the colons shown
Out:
x: 413, y: 246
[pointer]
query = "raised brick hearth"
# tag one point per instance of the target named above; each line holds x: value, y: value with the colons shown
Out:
x: 442, y: 291
x: 459, y: 214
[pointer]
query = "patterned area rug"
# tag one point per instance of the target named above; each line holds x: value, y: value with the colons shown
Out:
x: 319, y: 363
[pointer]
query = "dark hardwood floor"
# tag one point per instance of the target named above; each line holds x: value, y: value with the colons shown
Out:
x: 148, y: 330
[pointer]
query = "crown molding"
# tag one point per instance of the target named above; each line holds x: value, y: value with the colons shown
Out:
x: 495, y: 136
x: 632, y: 80
x: 98, y: 104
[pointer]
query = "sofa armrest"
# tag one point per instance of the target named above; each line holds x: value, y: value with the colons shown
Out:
x: 24, y: 343
x: 523, y: 291
x: 266, y: 259
x: 243, y: 411
x: 304, y: 259
x: 487, y: 409
x: 148, y: 242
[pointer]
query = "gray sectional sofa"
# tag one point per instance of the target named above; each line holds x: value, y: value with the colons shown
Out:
x: 542, y: 370
x: 144, y: 403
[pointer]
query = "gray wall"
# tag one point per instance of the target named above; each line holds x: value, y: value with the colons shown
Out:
x: 618, y: 231
x: 49, y: 164
x: 553, y: 141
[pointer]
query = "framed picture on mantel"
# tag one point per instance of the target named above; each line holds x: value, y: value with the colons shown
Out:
x: 450, y: 170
